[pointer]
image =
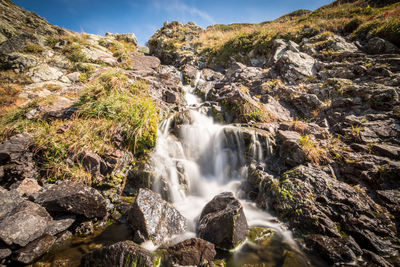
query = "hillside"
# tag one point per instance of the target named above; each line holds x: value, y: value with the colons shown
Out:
x: 271, y: 144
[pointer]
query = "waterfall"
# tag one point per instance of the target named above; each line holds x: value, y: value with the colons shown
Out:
x: 204, y: 159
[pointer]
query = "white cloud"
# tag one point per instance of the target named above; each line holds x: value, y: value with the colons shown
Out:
x: 178, y: 5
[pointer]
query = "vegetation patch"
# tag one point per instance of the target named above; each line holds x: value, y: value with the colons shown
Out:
x: 314, y: 152
x: 112, y: 104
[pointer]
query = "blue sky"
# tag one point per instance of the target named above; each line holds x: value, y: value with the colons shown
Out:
x: 144, y: 17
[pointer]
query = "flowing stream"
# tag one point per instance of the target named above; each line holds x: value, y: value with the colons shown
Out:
x: 201, y: 160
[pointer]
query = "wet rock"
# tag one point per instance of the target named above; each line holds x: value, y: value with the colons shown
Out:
x: 152, y: 218
x: 27, y: 187
x: 315, y: 203
x: 223, y: 222
x: 193, y: 251
x: 24, y: 224
x: 72, y: 197
x: 378, y: 45
x: 93, y: 163
x: 84, y: 229
x: 120, y: 254
x: 290, y: 150
x: 333, y: 250
x: 17, y: 159
x: 34, y: 250
x: 59, y: 225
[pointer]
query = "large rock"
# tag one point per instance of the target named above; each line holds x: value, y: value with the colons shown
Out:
x: 378, y: 45
x: 34, y: 250
x: 152, y: 218
x: 24, y: 224
x: 72, y: 197
x: 141, y: 62
x: 16, y: 159
x: 9, y: 200
x: 222, y: 222
x: 44, y: 72
x: 191, y: 252
x: 290, y: 63
x: 290, y: 151
x: 314, y: 202
x: 120, y: 254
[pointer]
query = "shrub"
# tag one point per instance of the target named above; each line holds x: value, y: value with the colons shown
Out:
x: 33, y: 48
x: 74, y: 53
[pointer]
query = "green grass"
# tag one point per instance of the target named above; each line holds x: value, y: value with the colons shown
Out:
x: 111, y: 104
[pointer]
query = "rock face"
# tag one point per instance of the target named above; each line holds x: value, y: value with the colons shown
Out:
x: 72, y: 197
x: 222, y: 222
x: 193, y: 251
x: 24, y: 224
x: 152, y: 218
x: 120, y: 254
x: 16, y: 159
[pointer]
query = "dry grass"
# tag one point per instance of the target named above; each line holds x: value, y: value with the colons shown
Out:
x: 314, y: 152
x: 298, y: 126
x: 221, y: 42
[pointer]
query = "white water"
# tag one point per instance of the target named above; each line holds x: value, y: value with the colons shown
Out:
x: 209, y: 166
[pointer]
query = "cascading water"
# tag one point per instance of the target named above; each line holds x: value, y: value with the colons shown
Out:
x: 201, y: 160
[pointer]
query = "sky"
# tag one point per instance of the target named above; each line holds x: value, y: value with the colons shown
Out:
x: 144, y: 17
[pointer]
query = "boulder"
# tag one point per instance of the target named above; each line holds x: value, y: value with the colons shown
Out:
x: 34, y: 250
x: 223, y: 222
x: 290, y: 151
x: 17, y: 43
x: 20, y: 62
x: 17, y: 159
x: 9, y: 200
x: 141, y: 62
x: 72, y: 197
x: 290, y: 63
x: 191, y: 252
x: 24, y: 224
x: 120, y: 254
x: 378, y: 45
x: 152, y: 218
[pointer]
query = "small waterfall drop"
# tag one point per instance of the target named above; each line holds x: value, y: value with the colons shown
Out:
x: 204, y: 159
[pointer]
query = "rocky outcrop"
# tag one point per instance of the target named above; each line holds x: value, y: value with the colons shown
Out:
x: 120, y: 254
x: 73, y: 198
x: 193, y: 251
x: 152, y: 218
x: 223, y: 222
x: 290, y: 63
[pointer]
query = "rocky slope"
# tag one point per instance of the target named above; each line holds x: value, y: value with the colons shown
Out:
x: 79, y: 117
